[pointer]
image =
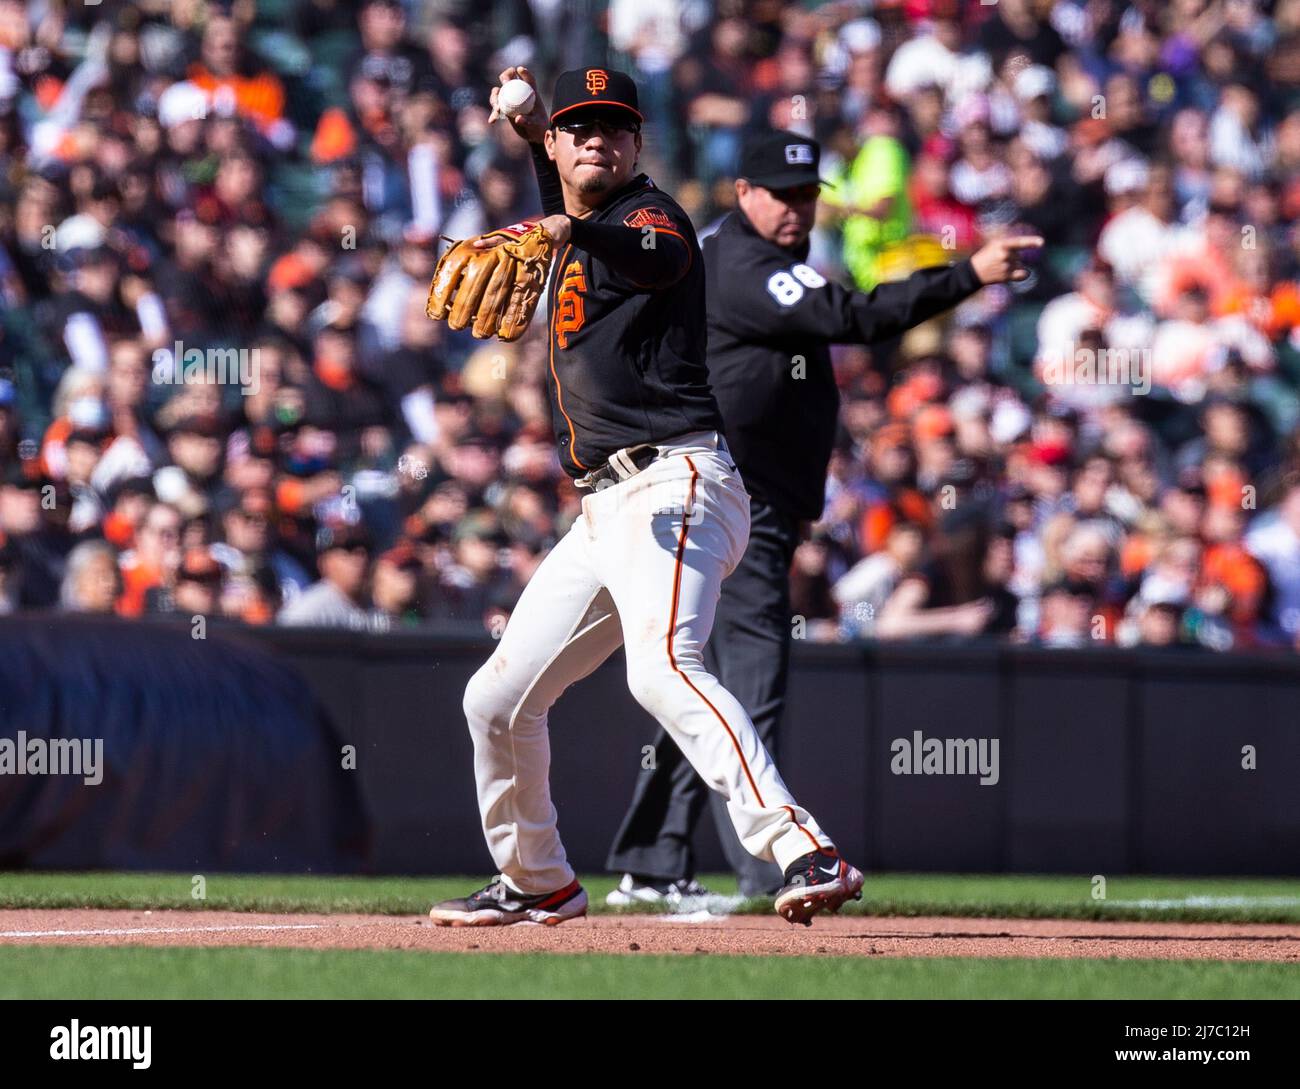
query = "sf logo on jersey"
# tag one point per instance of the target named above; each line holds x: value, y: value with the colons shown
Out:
x: 569, y: 317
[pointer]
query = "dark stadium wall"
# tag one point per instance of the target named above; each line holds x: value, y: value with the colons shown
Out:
x: 1110, y: 761
x: 231, y: 754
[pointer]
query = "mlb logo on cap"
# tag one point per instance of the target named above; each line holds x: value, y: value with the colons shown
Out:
x: 798, y: 153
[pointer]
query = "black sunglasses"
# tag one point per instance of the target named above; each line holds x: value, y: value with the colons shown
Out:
x: 608, y: 126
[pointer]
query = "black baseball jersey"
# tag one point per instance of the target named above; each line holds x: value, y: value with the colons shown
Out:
x: 772, y: 319
x: 626, y: 327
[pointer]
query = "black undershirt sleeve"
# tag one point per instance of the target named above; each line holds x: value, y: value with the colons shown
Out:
x: 623, y: 250
x: 548, y: 181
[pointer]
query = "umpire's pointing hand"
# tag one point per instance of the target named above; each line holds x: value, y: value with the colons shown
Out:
x: 999, y: 261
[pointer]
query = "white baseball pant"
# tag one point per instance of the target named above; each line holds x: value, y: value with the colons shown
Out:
x: 642, y: 567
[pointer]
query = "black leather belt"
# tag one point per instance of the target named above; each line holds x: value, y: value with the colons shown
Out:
x: 622, y: 465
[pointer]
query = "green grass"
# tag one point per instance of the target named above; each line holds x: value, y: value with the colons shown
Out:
x: 133, y: 972
x: 1013, y: 896
x: 52, y: 972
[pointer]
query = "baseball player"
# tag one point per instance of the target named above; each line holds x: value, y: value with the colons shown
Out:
x: 772, y: 319
x: 664, y: 520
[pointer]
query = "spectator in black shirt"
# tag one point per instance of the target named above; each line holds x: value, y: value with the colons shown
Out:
x: 384, y: 48
x: 1017, y: 27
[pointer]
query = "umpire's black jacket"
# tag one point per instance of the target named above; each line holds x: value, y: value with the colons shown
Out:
x: 765, y: 308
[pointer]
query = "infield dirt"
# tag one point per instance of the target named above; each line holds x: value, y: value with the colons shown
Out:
x: 632, y: 934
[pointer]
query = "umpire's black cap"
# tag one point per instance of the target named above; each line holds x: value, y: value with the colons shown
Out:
x: 606, y: 89
x: 779, y: 159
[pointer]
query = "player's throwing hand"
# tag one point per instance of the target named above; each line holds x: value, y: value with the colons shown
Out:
x: 532, y: 125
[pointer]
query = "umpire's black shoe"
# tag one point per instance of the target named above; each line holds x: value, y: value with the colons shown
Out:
x: 633, y: 890
x: 496, y: 904
x: 817, y: 881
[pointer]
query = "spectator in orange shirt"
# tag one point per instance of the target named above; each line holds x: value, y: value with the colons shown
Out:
x: 78, y: 403
x: 153, y: 561
x: 129, y: 502
x: 225, y: 73
x: 1227, y: 563
x: 1271, y: 307
x: 1209, y: 266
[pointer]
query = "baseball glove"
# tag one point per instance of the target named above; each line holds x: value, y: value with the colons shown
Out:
x: 498, y: 288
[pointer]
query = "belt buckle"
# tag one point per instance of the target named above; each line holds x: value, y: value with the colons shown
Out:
x: 596, y: 479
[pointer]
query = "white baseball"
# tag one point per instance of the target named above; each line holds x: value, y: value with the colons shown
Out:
x: 515, y: 98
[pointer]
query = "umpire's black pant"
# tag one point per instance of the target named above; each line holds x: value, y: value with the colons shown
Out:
x: 749, y: 652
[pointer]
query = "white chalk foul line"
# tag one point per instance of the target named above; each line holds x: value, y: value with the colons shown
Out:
x: 1209, y: 902
x: 116, y: 931
x: 690, y: 917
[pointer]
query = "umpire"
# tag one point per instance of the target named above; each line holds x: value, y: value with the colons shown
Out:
x: 771, y: 321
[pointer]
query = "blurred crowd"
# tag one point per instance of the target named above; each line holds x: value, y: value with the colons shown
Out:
x: 220, y: 396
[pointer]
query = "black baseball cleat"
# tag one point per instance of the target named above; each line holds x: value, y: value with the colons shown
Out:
x: 817, y: 881
x: 496, y: 904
